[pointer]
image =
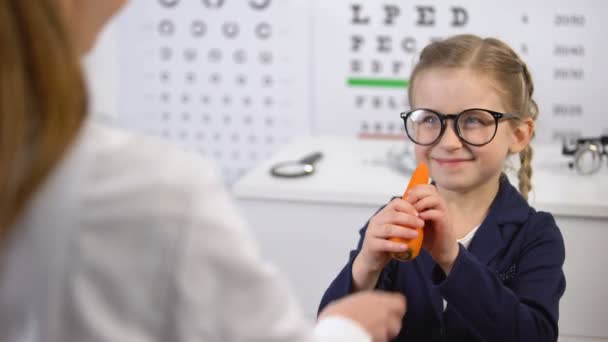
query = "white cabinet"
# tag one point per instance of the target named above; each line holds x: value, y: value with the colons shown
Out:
x: 307, y: 226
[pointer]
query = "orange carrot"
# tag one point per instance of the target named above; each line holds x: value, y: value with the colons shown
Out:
x: 420, y: 176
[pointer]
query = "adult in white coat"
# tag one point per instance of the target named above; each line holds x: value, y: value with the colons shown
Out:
x: 106, y: 236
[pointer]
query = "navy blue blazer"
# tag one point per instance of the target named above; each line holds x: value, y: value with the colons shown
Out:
x: 505, y: 287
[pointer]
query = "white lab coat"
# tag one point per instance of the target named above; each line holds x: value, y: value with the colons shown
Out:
x: 130, y: 240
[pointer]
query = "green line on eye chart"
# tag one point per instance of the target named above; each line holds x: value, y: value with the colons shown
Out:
x: 377, y: 82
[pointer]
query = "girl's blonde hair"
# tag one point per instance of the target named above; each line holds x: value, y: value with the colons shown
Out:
x: 496, y: 60
x: 42, y: 100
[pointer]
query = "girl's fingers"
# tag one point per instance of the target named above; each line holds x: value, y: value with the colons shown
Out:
x: 401, y: 205
x: 433, y: 215
x: 399, y: 231
x: 420, y: 191
x: 382, y: 245
x: 429, y: 202
x: 388, y: 230
x: 395, y: 218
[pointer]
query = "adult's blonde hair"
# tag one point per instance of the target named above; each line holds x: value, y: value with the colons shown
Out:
x: 42, y: 100
x: 494, y: 59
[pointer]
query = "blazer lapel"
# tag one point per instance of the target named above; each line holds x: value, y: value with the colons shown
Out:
x: 508, y: 208
x: 487, y: 242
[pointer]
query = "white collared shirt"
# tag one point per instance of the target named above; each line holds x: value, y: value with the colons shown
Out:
x: 466, y: 242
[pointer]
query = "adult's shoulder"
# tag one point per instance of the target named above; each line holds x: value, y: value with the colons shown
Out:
x: 142, y: 173
x: 127, y: 152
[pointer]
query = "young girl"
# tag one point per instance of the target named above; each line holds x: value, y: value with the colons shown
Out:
x: 491, y: 267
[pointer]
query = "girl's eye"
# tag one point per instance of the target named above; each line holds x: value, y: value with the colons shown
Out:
x: 476, y: 119
x: 473, y: 121
x: 430, y: 119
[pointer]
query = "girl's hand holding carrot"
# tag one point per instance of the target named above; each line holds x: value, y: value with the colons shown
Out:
x: 377, y: 248
x: 439, y: 236
x: 399, y: 230
x: 389, y: 223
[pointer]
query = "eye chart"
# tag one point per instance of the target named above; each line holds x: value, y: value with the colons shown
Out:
x: 234, y: 80
x: 374, y: 46
x: 227, y: 79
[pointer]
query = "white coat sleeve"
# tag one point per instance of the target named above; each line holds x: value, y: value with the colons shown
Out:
x: 225, y: 292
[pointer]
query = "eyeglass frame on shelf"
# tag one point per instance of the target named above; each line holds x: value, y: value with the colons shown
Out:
x: 443, y: 120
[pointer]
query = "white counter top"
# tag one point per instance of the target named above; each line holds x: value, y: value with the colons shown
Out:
x: 358, y: 172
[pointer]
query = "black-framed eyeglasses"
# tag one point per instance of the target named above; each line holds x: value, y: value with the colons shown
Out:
x: 475, y: 126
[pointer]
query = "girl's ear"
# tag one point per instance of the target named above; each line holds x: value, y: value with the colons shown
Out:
x: 523, y: 132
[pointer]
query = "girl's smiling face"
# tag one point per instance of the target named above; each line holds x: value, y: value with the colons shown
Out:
x: 453, y: 164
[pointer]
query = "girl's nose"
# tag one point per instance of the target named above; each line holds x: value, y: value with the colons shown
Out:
x: 450, y: 139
